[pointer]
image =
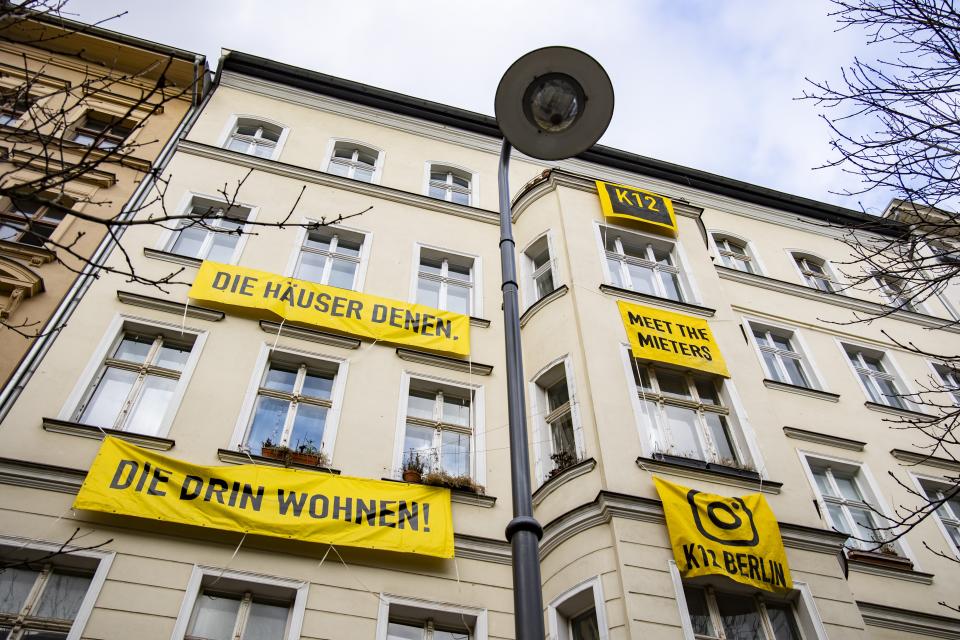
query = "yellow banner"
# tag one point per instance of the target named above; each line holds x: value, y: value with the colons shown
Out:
x: 734, y: 537
x: 664, y: 336
x: 341, y: 310
x: 270, y: 501
x: 636, y: 207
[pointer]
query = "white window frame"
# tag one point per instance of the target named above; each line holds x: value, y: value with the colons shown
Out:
x: 476, y: 289
x: 806, y: 614
x: 377, y: 167
x: 893, y: 373
x: 943, y: 379
x: 480, y: 625
x: 528, y: 274
x: 748, y: 247
x: 478, y: 441
x: 886, y: 286
x: 543, y: 438
x: 362, y: 260
x: 248, y: 404
x: 474, y: 177
x: 559, y: 625
x: 167, y: 239
x: 104, y: 560
x: 195, y: 585
x: 918, y: 480
x: 236, y: 118
x: 801, y: 351
x: 688, y: 289
x: 120, y: 324
x: 866, y: 483
x: 831, y: 274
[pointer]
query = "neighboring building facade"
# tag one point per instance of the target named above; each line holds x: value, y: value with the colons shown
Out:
x: 801, y: 418
x: 78, y: 101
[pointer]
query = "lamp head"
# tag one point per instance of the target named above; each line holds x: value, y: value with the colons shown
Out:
x: 554, y: 103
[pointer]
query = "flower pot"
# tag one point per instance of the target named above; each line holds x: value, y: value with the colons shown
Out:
x: 308, y: 459
x: 412, y: 475
x: 276, y: 453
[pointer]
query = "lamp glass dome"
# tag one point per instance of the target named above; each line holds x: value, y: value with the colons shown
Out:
x: 554, y: 102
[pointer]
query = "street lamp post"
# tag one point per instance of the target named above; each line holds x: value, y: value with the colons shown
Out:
x: 552, y: 103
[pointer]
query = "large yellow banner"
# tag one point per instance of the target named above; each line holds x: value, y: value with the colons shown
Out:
x: 342, y: 310
x: 664, y: 336
x: 734, y: 537
x: 270, y: 501
x: 637, y: 207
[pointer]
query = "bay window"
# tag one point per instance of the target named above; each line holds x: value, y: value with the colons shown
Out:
x: 539, y: 270
x: 720, y: 615
x: 643, y: 264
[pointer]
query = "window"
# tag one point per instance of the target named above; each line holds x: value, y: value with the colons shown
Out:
x: 555, y: 409
x: 445, y: 281
x: 255, y: 138
x: 293, y: 402
x: 844, y: 495
x: 212, y: 233
x: 949, y: 381
x: 29, y: 221
x: 440, y: 427
x: 352, y: 160
x: 642, y: 264
x: 13, y: 105
x: 948, y: 513
x: 232, y: 605
x: 101, y: 131
x: 815, y: 272
x: 734, y: 254
x: 331, y: 256
x: 895, y: 291
x: 411, y: 619
x: 723, y: 615
x: 578, y: 614
x: 136, y: 382
x: 450, y: 184
x: 880, y: 385
x: 686, y: 415
x: 782, y: 358
x: 539, y: 269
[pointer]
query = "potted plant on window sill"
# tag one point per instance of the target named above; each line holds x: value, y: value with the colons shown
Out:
x: 413, y: 467
x: 886, y: 555
x: 459, y: 483
x: 305, y: 454
x: 561, y: 460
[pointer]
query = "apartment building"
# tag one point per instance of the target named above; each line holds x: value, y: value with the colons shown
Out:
x: 800, y: 413
x: 82, y: 122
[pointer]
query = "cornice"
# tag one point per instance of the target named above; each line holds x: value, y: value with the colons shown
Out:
x: 803, y: 391
x: 909, y: 621
x: 897, y: 573
x: 446, y: 362
x: 169, y: 306
x: 483, y: 549
x: 582, y: 468
x: 313, y: 335
x: 915, y: 458
x: 823, y: 438
x: 682, y: 307
x: 96, y: 433
x: 36, y: 256
x: 705, y: 474
x: 541, y: 303
x: 854, y: 304
x: 41, y: 476
x: 317, y: 177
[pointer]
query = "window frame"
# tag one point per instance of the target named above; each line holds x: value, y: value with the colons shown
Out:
x: 200, y: 573
x: 103, y: 559
x: 558, y: 623
x: 19, y: 97
x: 476, y: 280
x: 119, y: 325
x: 686, y: 286
x: 921, y: 479
x: 941, y: 376
x: 716, y: 235
x: 895, y: 375
x: 473, y: 194
x: 288, y: 354
x: 529, y: 274
x: 167, y: 240
x: 79, y: 126
x: 887, y: 287
x: 236, y: 119
x: 801, y: 352
x: 11, y: 209
x: 377, y: 167
x: 478, y: 461
x: 362, y: 261
x: 479, y: 616
x: 543, y: 434
x: 796, y: 255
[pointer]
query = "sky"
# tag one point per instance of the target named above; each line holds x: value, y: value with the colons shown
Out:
x: 708, y: 84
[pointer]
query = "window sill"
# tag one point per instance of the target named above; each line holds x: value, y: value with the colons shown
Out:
x: 823, y: 438
x: 176, y: 258
x: 36, y: 256
x: 446, y: 362
x: 313, y: 335
x: 479, y: 322
x: 708, y: 471
x: 542, y: 302
x: 903, y: 413
x: 169, y: 306
x: 889, y: 566
x: 96, y: 433
x: 581, y: 468
x: 240, y: 457
x: 689, y: 307
x: 803, y: 391
x: 461, y: 496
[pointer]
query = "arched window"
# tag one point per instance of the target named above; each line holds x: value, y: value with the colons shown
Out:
x: 352, y: 160
x: 735, y: 253
x: 815, y: 271
x: 255, y: 137
x: 450, y: 184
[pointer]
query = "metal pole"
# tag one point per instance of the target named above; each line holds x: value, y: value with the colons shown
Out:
x: 523, y: 532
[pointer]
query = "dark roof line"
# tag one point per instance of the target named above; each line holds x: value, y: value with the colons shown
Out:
x: 399, y: 103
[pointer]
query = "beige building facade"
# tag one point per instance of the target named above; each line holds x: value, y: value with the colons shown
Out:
x: 802, y: 419
x: 82, y: 124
